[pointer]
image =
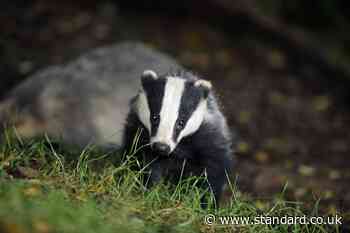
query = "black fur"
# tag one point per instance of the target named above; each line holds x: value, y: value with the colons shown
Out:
x: 155, y: 91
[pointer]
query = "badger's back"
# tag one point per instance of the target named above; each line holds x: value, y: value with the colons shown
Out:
x: 86, y: 100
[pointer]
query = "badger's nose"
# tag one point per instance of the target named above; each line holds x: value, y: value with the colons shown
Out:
x: 161, y: 148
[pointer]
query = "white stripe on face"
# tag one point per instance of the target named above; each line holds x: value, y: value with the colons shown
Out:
x: 143, y: 110
x: 195, y: 121
x: 169, y: 111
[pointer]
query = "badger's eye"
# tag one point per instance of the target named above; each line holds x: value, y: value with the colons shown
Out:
x: 155, y: 118
x: 180, y: 124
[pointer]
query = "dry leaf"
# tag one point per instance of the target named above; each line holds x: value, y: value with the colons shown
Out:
x: 306, y: 170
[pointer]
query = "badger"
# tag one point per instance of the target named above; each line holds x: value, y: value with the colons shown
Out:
x: 105, y: 96
x: 182, y: 123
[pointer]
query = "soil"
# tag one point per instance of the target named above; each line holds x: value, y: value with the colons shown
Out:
x: 291, y: 135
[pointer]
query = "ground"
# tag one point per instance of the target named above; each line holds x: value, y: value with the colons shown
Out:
x: 47, y: 187
x: 291, y: 135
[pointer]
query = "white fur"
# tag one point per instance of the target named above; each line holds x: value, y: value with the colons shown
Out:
x: 150, y: 73
x: 195, y: 120
x: 169, y: 112
x: 143, y: 111
x: 203, y: 83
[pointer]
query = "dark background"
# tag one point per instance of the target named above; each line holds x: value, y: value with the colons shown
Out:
x: 281, y: 69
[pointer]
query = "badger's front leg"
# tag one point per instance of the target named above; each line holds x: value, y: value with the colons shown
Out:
x: 155, y: 174
x: 215, y: 159
x: 215, y: 171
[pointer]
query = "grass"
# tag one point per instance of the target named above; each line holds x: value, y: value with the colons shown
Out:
x: 46, y: 187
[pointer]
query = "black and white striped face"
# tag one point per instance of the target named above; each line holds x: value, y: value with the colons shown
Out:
x: 171, y: 108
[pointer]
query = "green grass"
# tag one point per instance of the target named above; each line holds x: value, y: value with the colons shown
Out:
x: 46, y: 188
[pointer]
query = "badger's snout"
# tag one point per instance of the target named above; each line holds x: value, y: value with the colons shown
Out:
x: 161, y: 149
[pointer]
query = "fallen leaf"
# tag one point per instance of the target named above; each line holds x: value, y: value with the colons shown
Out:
x: 32, y: 191
x: 262, y: 156
x: 276, y: 59
x: 334, y: 174
x: 305, y: 170
x: 41, y: 226
x: 244, y: 117
x: 243, y: 147
x: 328, y: 194
x: 289, y: 164
x: 300, y: 192
x: 277, y: 98
x: 321, y: 103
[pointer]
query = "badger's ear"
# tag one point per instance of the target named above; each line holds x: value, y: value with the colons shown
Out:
x: 149, y: 74
x: 204, y: 85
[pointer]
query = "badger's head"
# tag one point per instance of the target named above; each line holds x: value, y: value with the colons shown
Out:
x: 171, y: 108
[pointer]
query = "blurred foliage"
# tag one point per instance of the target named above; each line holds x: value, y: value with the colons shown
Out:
x: 326, y: 21
x: 321, y: 15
